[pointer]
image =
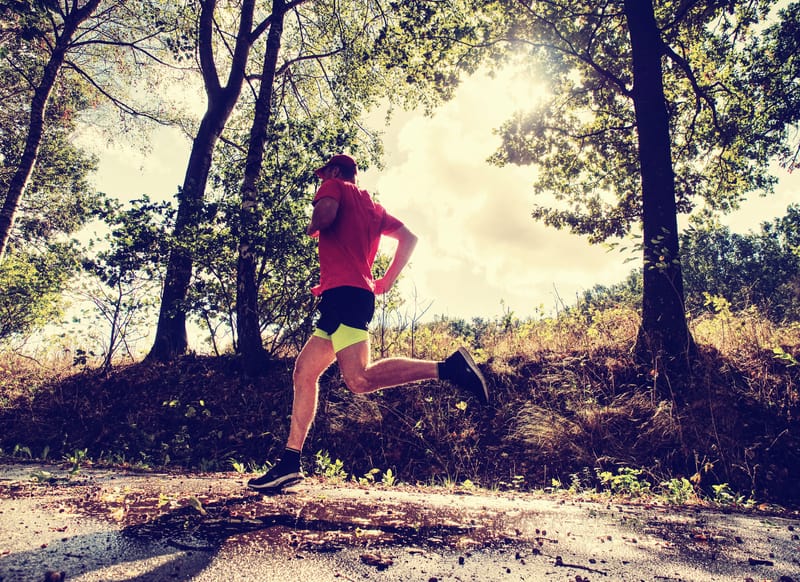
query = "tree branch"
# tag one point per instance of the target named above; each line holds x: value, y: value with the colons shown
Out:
x: 264, y: 24
x: 205, y: 48
x: 124, y: 107
x: 701, y: 95
x: 134, y: 47
x: 567, y: 48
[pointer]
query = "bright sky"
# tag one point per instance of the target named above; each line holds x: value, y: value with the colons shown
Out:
x: 479, y: 249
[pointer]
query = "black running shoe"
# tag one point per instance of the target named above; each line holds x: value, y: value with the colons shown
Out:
x: 461, y: 369
x: 276, y: 479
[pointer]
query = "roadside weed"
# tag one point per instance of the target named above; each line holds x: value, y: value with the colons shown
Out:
x: 581, y: 482
x: 369, y: 477
x: 328, y: 468
x: 237, y: 466
x: 76, y: 459
x: 678, y: 491
x: 389, y: 479
x: 725, y: 496
x: 625, y: 482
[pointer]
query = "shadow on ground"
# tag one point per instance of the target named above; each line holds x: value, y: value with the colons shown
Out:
x: 110, y: 525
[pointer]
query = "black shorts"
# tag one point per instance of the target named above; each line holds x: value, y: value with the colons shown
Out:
x: 351, y: 306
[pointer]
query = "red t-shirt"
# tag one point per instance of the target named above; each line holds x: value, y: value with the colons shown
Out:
x: 347, y: 248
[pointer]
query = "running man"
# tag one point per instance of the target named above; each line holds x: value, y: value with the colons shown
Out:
x: 349, y: 225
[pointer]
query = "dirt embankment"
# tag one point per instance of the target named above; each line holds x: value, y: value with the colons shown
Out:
x: 552, y: 416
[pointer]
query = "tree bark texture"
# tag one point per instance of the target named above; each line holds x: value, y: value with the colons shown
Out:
x: 664, y: 340
x: 247, y: 314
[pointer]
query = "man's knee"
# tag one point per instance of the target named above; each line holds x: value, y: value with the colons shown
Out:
x: 303, y: 375
x: 357, y: 382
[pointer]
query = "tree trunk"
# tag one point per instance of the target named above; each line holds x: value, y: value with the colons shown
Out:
x: 171, y: 339
x: 19, y: 180
x: 664, y: 340
x: 247, y: 319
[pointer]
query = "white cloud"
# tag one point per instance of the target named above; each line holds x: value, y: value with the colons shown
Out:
x: 126, y: 172
x: 478, y: 243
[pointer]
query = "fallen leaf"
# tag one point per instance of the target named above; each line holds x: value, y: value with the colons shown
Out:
x: 195, y: 502
x: 377, y: 560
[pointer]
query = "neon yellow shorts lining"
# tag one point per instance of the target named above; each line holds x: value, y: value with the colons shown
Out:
x: 344, y: 336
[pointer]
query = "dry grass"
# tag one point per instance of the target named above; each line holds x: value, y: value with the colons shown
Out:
x: 568, y: 400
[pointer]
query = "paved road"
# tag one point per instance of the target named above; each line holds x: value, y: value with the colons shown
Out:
x: 115, y: 525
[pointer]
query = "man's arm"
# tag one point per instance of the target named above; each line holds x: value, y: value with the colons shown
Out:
x: 406, y: 241
x: 323, y: 215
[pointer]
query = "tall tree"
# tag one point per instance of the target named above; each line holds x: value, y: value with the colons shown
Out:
x: 643, y: 120
x: 285, y: 265
x: 66, y: 20
x: 249, y: 329
x: 664, y: 331
x: 171, y: 339
x: 58, y: 197
x: 88, y: 47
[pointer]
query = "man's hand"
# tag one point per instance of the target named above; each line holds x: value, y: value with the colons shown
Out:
x: 383, y: 285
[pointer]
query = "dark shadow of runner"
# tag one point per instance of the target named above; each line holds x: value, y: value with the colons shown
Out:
x: 194, y: 534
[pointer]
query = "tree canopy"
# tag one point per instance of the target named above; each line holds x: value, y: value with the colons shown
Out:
x: 324, y: 64
x: 74, y: 52
x: 648, y: 116
x: 652, y: 110
x: 583, y: 139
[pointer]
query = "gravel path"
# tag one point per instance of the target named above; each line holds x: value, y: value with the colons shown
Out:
x: 117, y: 525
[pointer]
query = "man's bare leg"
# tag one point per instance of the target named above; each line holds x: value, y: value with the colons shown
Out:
x: 363, y: 377
x: 315, y: 357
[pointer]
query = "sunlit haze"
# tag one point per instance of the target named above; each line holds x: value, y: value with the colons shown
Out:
x: 479, y: 252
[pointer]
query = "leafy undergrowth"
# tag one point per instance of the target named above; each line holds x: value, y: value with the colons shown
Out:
x: 584, y: 420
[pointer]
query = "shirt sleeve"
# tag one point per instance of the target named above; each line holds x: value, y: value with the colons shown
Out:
x: 390, y: 223
x: 329, y: 189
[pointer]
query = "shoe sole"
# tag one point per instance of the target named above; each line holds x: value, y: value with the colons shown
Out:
x: 475, y: 370
x: 278, y: 484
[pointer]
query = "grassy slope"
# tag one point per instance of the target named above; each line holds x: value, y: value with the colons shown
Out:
x: 557, y: 412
